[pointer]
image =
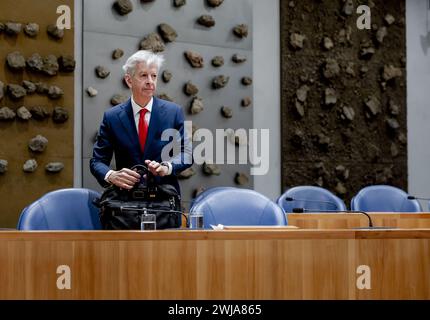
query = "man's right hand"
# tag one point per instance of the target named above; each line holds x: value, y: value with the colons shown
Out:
x: 124, y: 178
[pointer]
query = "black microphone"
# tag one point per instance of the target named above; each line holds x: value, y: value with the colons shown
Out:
x: 302, y: 210
x: 311, y: 200
x: 417, y: 198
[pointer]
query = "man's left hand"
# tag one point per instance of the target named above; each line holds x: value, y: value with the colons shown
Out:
x: 156, y: 168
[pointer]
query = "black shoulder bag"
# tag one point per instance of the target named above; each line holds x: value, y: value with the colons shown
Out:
x: 122, y: 209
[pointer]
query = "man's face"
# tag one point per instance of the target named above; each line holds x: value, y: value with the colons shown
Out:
x: 143, y: 82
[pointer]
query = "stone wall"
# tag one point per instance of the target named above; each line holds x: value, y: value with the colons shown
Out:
x: 343, y: 95
x: 33, y: 75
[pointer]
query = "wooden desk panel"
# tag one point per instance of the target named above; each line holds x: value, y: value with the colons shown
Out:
x: 355, y: 220
x: 279, y: 264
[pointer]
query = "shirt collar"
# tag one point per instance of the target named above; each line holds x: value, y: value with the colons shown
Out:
x: 137, y: 108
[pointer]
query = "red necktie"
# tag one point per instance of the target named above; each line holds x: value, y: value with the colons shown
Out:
x: 143, y: 129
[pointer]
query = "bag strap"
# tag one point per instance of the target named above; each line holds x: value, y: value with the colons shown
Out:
x: 140, y: 168
x: 143, y: 169
x: 145, y: 210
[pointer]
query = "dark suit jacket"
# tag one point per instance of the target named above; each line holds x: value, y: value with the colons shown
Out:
x: 118, y: 135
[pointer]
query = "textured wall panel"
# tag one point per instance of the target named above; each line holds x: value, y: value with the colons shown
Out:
x: 105, y: 30
x: 19, y: 189
x: 314, y: 145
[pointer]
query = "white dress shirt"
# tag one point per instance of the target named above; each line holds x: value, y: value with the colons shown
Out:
x: 136, y: 112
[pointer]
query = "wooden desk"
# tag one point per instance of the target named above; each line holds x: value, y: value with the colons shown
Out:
x: 278, y: 264
x: 354, y: 220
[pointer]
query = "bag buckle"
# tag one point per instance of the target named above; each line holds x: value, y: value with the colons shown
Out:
x: 138, y: 194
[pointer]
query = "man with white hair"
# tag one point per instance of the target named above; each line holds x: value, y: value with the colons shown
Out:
x: 132, y: 130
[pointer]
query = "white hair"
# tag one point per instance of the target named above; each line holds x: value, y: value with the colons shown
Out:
x: 145, y: 56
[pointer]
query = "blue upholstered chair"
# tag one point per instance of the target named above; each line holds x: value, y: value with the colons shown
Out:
x: 234, y: 206
x: 64, y: 209
x: 310, y: 198
x: 383, y: 198
x: 207, y: 192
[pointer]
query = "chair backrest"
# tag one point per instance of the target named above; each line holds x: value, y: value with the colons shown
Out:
x: 383, y: 198
x: 234, y: 206
x: 311, y: 198
x: 207, y: 192
x: 64, y: 209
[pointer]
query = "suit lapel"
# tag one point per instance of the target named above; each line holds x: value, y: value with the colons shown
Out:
x: 154, y: 125
x: 127, y: 120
